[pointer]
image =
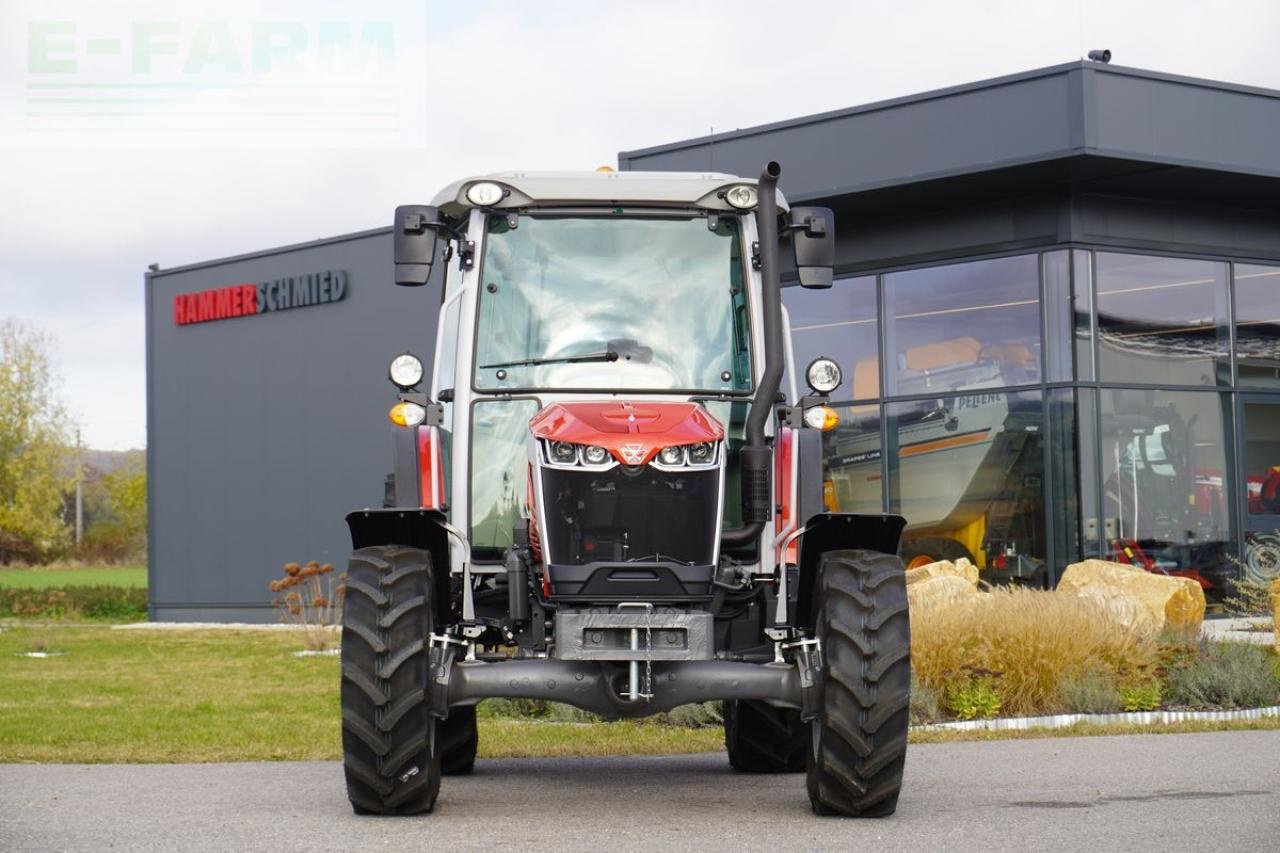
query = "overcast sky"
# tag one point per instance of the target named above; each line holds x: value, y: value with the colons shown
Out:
x: 481, y: 86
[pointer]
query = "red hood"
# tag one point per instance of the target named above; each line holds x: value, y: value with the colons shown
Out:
x: 632, y: 432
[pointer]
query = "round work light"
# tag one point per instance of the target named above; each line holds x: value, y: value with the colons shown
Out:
x: 405, y: 370
x: 485, y: 194
x: 743, y: 197
x: 823, y: 375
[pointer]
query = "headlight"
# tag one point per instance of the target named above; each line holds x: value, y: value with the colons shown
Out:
x: 823, y: 375
x: 405, y: 370
x: 671, y: 455
x: 485, y: 194
x: 407, y: 414
x: 824, y: 418
x: 742, y: 197
x: 564, y: 452
x: 594, y: 455
x: 700, y: 454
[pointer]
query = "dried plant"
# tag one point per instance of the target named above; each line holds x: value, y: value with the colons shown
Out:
x: 310, y: 595
x: 1025, y: 642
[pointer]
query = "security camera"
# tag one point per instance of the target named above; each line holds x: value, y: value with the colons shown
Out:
x: 1103, y: 56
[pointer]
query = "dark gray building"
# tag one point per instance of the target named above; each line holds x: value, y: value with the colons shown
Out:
x: 266, y: 426
x: 1057, y: 309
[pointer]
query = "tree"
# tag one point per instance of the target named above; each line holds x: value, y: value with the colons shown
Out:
x: 119, y: 527
x: 33, y: 441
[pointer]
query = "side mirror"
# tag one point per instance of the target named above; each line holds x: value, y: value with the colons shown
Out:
x: 813, y: 236
x: 414, y: 243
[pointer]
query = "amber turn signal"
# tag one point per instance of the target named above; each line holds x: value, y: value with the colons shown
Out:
x: 407, y: 414
x: 824, y: 418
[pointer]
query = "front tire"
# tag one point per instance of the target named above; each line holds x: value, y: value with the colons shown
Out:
x: 763, y: 739
x: 858, y: 743
x: 458, y: 741
x: 390, y: 750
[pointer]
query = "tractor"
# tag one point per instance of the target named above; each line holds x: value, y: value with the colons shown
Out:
x: 607, y: 493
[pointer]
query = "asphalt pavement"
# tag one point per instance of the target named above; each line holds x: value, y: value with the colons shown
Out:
x: 1218, y: 792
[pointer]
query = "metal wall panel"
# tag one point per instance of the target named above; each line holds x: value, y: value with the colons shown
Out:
x: 1002, y: 122
x: 265, y: 430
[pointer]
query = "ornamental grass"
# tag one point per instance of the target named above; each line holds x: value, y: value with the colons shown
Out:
x: 1024, y: 645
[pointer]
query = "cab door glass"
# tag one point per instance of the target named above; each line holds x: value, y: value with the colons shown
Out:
x: 499, y: 472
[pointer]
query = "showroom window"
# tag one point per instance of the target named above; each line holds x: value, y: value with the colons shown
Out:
x: 852, y: 480
x: 1164, y: 474
x: 1161, y: 321
x: 1262, y: 457
x: 1258, y: 326
x: 967, y: 471
x: 1059, y: 316
x: 839, y: 323
x: 963, y: 326
x: 1261, y: 430
x: 1070, y: 439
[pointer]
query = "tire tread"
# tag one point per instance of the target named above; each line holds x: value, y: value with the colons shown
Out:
x: 861, y: 613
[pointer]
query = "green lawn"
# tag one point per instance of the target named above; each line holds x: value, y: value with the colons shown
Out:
x: 161, y: 696
x: 56, y: 577
x: 192, y: 696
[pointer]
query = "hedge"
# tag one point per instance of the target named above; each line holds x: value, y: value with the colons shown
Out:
x: 87, y: 602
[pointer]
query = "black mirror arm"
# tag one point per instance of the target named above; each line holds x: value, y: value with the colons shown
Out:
x: 812, y: 226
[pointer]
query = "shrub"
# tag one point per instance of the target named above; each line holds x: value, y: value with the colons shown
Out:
x: 1026, y: 642
x: 1225, y: 675
x: 526, y: 708
x: 1089, y: 693
x: 699, y: 715
x: 975, y: 699
x: 89, y: 602
x: 1249, y: 598
x: 107, y: 542
x: 1141, y: 696
x: 926, y: 706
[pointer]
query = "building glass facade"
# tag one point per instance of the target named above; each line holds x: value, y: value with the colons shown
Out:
x: 1043, y: 407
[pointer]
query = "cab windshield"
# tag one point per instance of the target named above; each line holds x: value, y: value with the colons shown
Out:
x: 644, y: 303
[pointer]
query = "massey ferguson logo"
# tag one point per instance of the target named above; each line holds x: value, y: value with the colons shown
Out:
x: 632, y: 454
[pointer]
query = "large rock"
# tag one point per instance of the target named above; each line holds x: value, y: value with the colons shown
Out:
x: 961, y: 568
x: 939, y: 591
x: 1139, y: 600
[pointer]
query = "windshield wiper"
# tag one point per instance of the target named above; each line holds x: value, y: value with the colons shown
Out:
x: 614, y: 350
x: 607, y: 355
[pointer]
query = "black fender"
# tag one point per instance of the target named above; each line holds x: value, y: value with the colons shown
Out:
x: 839, y: 531
x: 415, y: 528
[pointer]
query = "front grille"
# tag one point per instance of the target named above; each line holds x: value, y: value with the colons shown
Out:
x: 631, y: 515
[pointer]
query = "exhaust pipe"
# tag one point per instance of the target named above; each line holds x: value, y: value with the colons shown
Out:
x: 756, y: 457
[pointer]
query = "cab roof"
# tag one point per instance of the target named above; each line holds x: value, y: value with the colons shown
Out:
x: 558, y: 189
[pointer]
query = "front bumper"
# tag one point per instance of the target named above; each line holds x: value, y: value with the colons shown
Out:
x: 640, y: 634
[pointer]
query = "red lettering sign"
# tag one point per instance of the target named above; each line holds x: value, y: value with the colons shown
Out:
x: 218, y: 304
x: 238, y: 300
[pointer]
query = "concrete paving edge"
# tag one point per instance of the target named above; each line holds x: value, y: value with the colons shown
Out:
x: 1062, y: 721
